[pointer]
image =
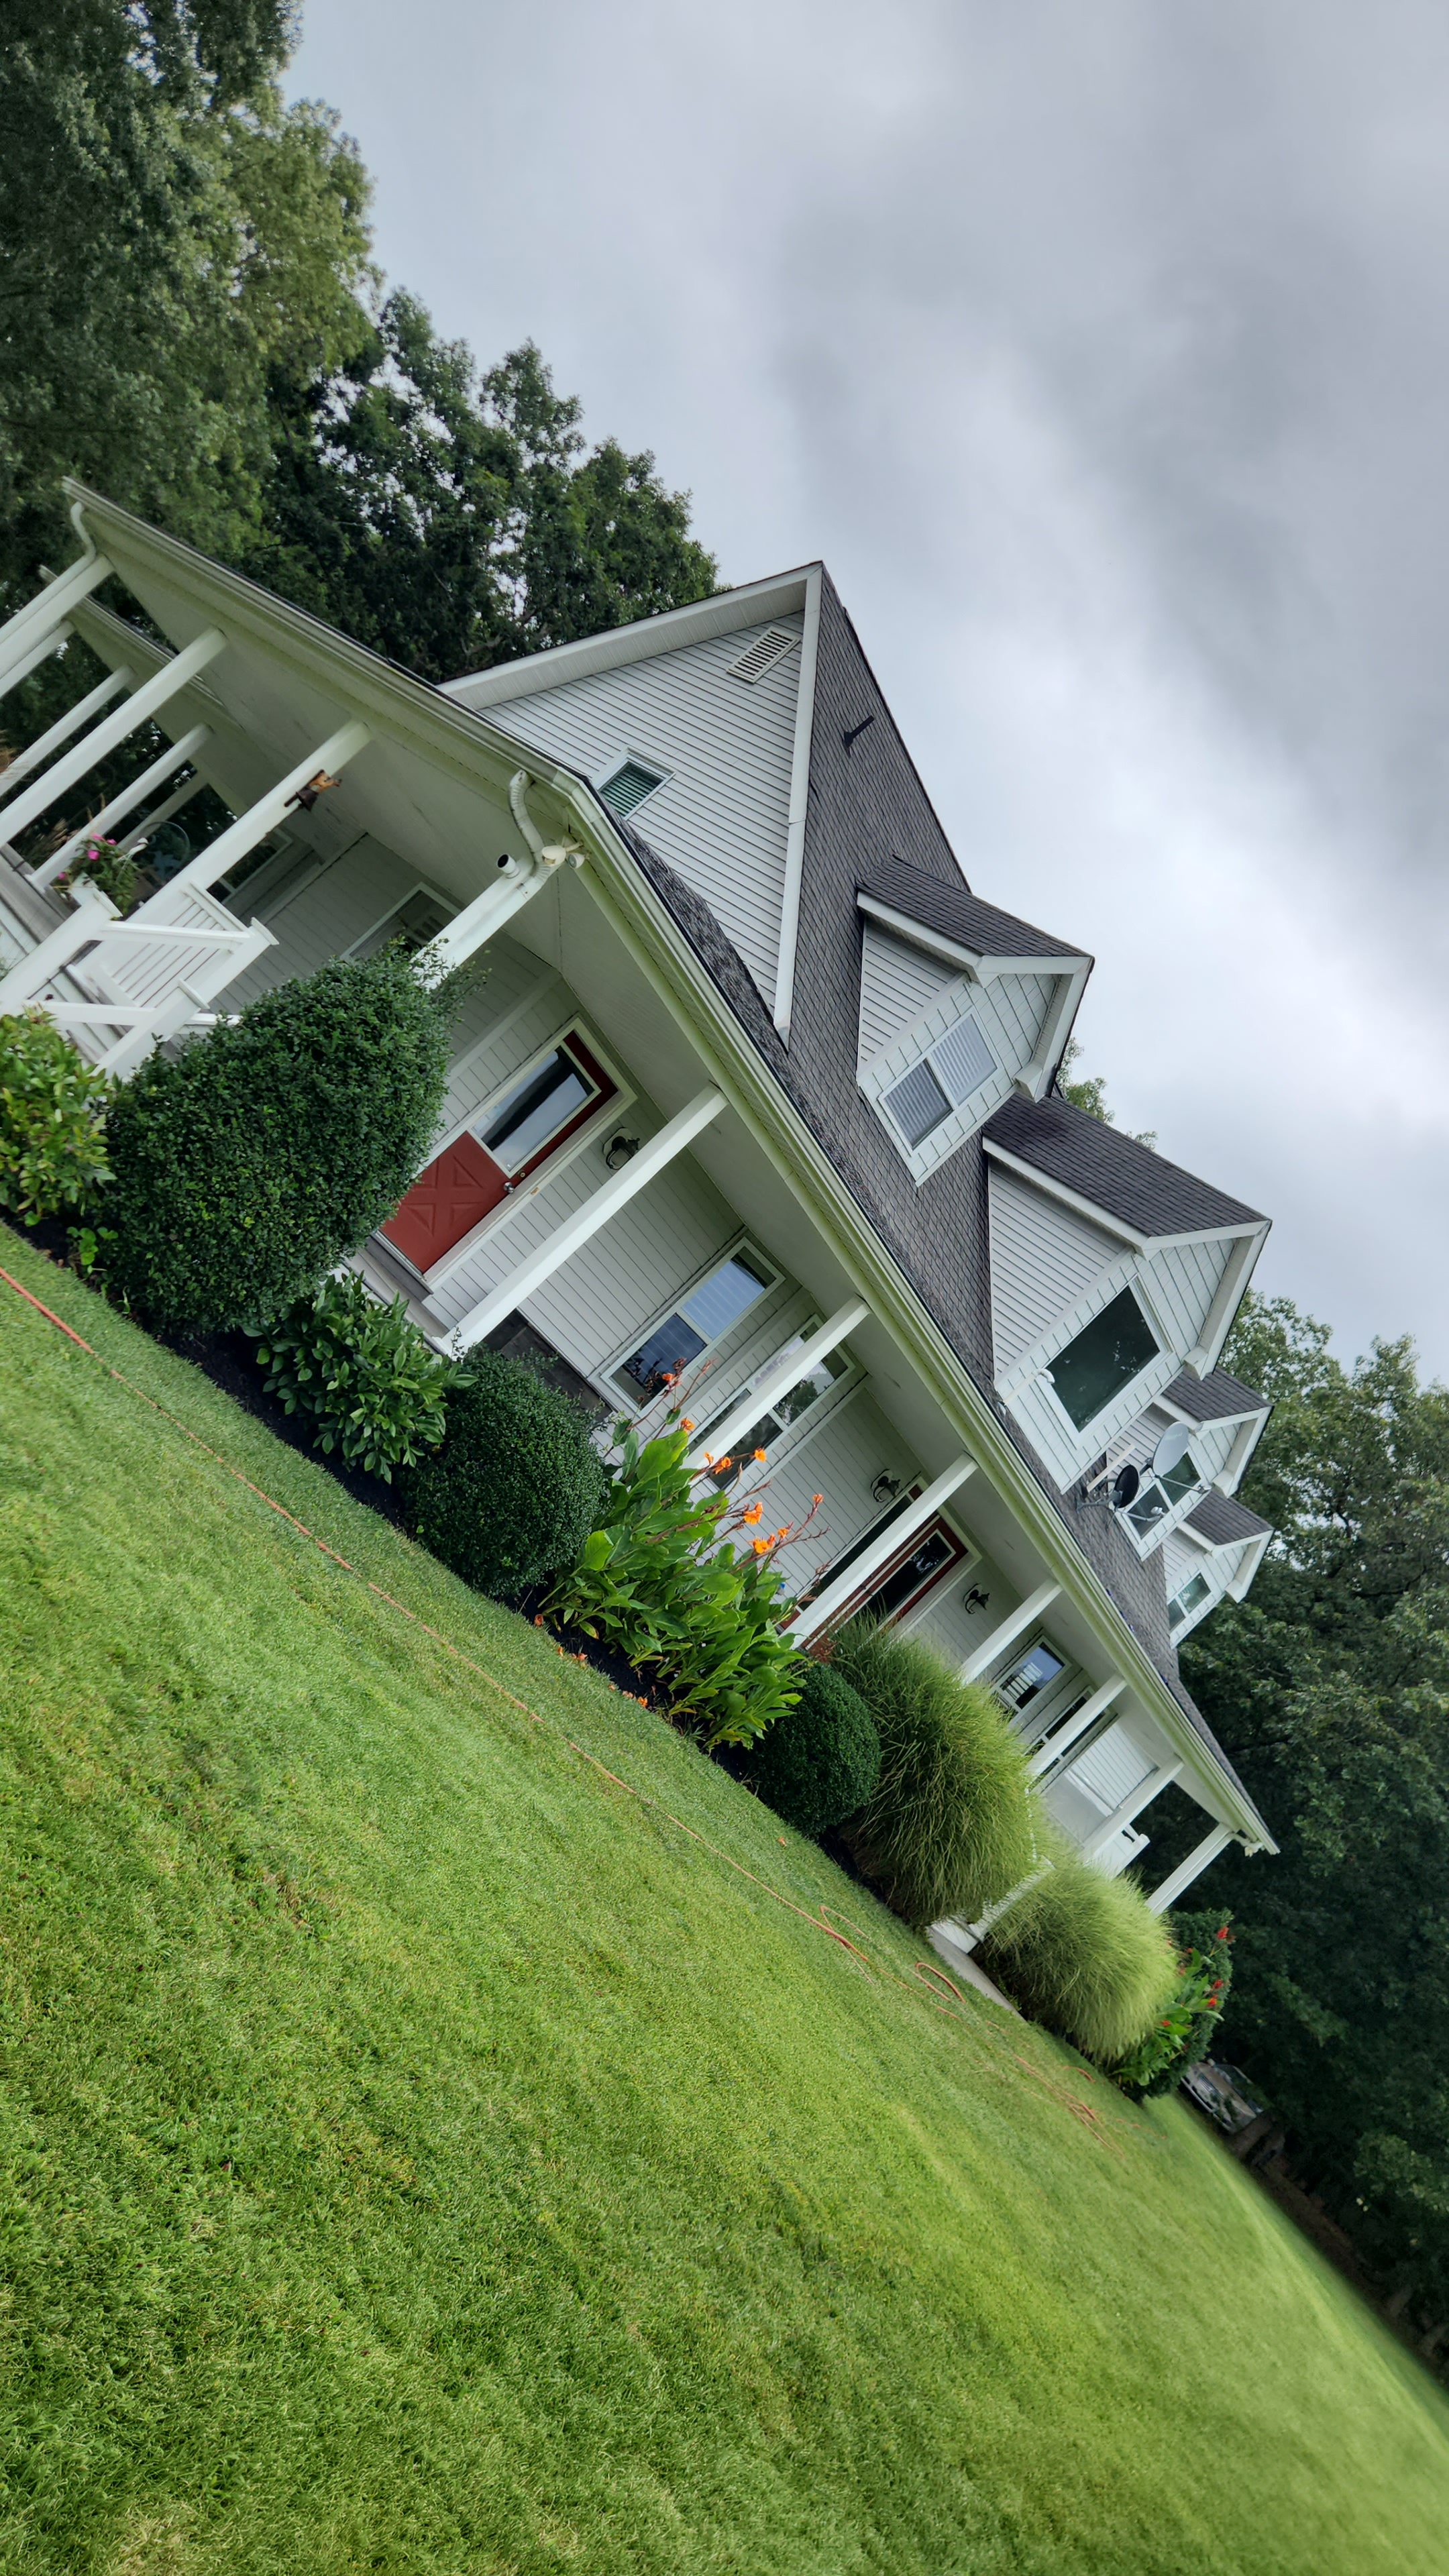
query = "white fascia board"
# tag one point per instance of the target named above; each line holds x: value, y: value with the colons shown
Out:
x: 799, y: 804
x: 786, y: 595
x: 1231, y: 1290
x: 653, y: 938
x: 981, y: 963
x: 1056, y: 1030
x: 1235, y: 1466
x: 1253, y: 1555
x: 1251, y: 1229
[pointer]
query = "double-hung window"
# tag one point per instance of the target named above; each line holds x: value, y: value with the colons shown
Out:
x: 1189, y: 1600
x: 1162, y: 1495
x: 942, y: 1082
x: 710, y: 1310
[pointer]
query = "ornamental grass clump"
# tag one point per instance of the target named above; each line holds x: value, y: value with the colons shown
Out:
x: 1086, y: 1955
x: 249, y: 1163
x: 53, y: 1107
x: 953, y: 1823
x: 515, y: 1488
x: 820, y: 1761
x: 662, y: 1580
x: 371, y: 1383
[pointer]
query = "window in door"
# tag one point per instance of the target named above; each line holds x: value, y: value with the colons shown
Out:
x: 896, y: 1586
x: 1103, y: 1359
x: 708, y: 1312
x: 538, y: 1112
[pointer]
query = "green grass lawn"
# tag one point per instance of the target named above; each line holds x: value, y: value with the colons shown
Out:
x: 422, y: 2152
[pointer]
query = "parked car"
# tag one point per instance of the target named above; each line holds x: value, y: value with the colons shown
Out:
x: 1224, y: 2093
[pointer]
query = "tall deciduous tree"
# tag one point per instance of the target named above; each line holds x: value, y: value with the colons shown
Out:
x: 1331, y: 1685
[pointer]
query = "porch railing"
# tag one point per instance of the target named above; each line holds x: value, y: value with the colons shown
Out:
x: 130, y: 985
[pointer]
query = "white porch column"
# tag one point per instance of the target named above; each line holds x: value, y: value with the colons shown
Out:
x: 63, y: 773
x: 779, y: 1380
x: 38, y: 752
x: 1076, y: 1725
x: 243, y: 835
x: 1180, y: 1879
x: 174, y: 757
x: 481, y: 919
x: 92, y: 916
x: 50, y: 642
x: 1160, y: 1777
x: 887, y: 1543
x: 63, y: 592
x: 1010, y: 1628
x: 575, y: 1232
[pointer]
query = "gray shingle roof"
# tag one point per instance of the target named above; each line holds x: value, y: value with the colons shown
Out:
x: 1112, y: 1171
x: 1222, y: 1520
x: 1215, y: 1398
x: 960, y: 915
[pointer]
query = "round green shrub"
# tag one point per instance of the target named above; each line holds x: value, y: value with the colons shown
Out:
x: 1087, y: 1955
x: 52, y: 1121
x: 953, y: 1823
x: 820, y: 1759
x: 245, y: 1166
x: 515, y: 1488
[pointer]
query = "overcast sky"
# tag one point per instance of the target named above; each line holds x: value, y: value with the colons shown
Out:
x: 1103, y: 354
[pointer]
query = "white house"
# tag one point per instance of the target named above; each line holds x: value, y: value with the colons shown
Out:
x: 755, y: 1090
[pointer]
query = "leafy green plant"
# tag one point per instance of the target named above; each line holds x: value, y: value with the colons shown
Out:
x: 820, y: 1761
x: 953, y: 1823
x: 53, y: 1108
x: 661, y: 1578
x: 101, y: 861
x: 515, y: 1488
x: 372, y: 1383
x: 1185, y: 2031
x: 1086, y: 1955
x: 249, y: 1163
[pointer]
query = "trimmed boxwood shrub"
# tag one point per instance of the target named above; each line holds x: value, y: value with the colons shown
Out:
x: 953, y: 1823
x: 820, y: 1760
x: 515, y: 1488
x: 1087, y: 1955
x: 245, y: 1166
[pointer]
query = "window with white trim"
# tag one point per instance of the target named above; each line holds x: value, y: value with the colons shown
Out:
x: 1160, y: 1496
x: 944, y: 1081
x: 776, y: 1421
x: 1101, y: 1361
x: 711, y: 1309
x: 1189, y: 1602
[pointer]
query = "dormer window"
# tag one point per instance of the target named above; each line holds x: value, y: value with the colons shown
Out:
x: 1101, y: 1363
x: 1194, y: 1593
x: 1162, y: 1495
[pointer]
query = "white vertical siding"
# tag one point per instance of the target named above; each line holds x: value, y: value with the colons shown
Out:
x: 325, y: 916
x: 853, y: 1446
x: 721, y: 817
x: 897, y: 983
x: 1044, y: 1257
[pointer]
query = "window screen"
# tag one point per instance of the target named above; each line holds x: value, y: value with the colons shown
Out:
x: 1115, y: 1347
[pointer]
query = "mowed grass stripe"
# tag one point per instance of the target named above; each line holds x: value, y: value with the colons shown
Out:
x: 420, y: 2155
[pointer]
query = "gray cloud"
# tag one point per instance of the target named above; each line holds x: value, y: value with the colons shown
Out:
x: 1105, y: 356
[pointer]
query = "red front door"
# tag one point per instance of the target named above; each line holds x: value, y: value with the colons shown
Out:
x: 445, y: 1202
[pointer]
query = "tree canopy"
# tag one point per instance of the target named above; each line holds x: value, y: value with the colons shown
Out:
x: 1330, y: 1686
x: 190, y: 320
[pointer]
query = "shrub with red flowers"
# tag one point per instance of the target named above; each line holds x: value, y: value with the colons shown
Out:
x: 671, y: 1578
x: 1185, y: 2032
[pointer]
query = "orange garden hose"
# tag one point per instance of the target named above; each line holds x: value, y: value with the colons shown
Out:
x: 925, y: 1974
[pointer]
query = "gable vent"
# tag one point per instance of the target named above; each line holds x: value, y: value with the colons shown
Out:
x: 762, y: 655
x: 631, y: 782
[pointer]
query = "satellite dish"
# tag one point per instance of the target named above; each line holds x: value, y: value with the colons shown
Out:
x: 1125, y: 1488
x: 1171, y: 1448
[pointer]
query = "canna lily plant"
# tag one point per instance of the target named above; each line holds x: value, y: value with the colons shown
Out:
x: 663, y: 1579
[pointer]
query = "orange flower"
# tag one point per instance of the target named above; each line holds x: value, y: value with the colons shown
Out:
x: 754, y: 1513
x: 759, y: 1453
x: 816, y: 1498
x: 723, y: 1462
x: 685, y: 1423
x: 762, y: 1546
